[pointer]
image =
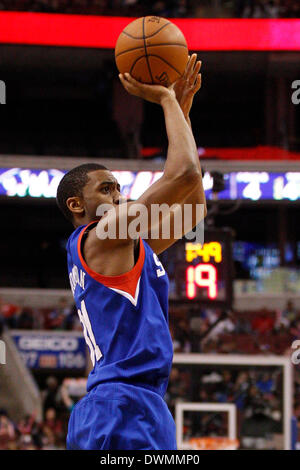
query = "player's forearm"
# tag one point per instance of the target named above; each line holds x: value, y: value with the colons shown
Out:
x: 197, y: 195
x: 188, y: 120
x: 182, y: 155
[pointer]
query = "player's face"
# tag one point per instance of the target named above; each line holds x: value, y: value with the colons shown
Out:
x: 101, y: 188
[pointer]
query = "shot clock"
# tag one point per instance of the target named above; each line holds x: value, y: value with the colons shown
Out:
x: 205, y: 273
x: 202, y: 272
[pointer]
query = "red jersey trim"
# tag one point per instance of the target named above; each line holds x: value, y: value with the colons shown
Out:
x: 127, y: 282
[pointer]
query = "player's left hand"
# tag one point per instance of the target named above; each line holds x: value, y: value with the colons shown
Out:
x: 187, y: 86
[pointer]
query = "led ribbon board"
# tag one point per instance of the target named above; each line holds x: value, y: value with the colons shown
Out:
x: 248, y: 186
x: 226, y: 34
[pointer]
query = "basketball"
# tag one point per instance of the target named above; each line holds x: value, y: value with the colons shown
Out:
x: 153, y: 50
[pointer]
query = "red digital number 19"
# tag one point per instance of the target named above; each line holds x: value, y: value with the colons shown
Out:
x: 202, y: 275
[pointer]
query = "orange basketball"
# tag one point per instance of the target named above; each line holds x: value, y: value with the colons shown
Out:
x: 153, y: 50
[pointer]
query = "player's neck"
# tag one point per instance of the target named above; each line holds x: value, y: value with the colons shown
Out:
x: 85, y: 221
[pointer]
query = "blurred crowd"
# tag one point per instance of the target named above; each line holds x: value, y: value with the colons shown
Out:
x: 267, y: 9
x: 63, y: 316
x: 215, y: 331
x: 257, y: 392
x: 170, y: 8
x: 166, y: 8
x: 257, y: 396
x: 193, y: 330
x: 29, y: 433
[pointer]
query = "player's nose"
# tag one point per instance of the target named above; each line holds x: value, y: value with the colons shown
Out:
x: 119, y: 199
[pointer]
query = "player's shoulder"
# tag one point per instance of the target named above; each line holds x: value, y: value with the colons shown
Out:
x: 73, y: 238
x: 149, y: 252
x: 146, y: 245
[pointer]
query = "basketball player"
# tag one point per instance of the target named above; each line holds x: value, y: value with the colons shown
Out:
x: 121, y: 288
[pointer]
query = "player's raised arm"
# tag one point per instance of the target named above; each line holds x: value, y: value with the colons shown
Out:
x: 182, y: 159
x: 186, y: 88
x: 181, y: 177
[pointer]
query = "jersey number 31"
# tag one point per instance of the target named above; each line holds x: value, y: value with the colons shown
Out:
x: 95, y: 352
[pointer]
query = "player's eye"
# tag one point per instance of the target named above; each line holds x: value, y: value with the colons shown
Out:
x: 105, y: 189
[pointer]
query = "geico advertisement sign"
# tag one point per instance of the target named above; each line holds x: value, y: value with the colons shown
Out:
x: 47, y: 343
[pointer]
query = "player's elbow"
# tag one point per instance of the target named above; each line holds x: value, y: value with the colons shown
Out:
x: 190, y: 175
x: 184, y: 181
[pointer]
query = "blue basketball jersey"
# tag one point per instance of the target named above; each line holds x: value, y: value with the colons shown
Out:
x: 124, y: 318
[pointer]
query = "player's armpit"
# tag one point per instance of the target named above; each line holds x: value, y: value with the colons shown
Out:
x: 106, y: 261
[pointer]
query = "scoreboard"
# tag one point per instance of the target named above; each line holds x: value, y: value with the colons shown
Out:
x: 203, y: 272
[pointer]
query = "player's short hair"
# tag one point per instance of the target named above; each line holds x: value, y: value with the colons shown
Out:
x: 72, y: 185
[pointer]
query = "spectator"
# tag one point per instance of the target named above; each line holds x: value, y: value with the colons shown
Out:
x: 183, y: 335
x: 51, y: 395
x: 255, y: 9
x: 70, y: 318
x: 30, y: 433
x: 7, y: 431
x: 66, y: 399
x: 25, y: 320
x: 26, y: 443
x: 272, y: 8
x: 295, y: 329
x: 224, y: 326
x: 176, y: 343
x: 289, y: 314
x: 265, y: 384
x: 9, y: 312
x: 263, y: 322
x: 56, y: 319
x: 52, y: 430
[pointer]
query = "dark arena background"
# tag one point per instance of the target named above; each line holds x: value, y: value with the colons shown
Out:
x: 235, y: 380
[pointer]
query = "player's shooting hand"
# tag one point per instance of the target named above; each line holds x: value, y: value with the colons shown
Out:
x: 188, y: 85
x: 152, y: 93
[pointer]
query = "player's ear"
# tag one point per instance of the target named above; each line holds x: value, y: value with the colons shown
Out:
x: 75, y: 205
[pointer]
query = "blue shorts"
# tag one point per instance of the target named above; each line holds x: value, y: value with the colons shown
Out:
x: 118, y: 416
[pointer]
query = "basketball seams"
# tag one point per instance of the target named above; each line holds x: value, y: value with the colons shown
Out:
x: 158, y: 57
x: 166, y: 62
x: 146, y: 54
x: 135, y: 62
x: 150, y: 35
x: 142, y: 48
x: 151, y: 45
x: 157, y: 66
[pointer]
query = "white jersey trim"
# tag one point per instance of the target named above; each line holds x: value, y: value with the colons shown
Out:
x: 127, y: 295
